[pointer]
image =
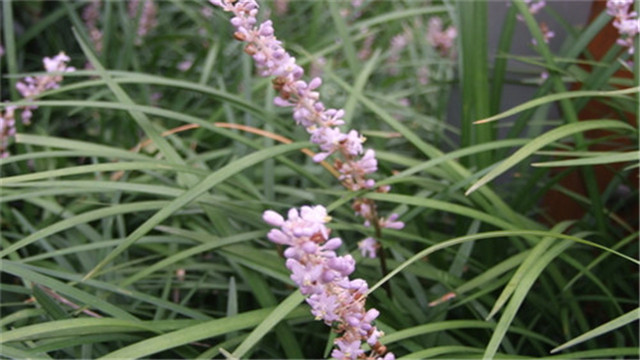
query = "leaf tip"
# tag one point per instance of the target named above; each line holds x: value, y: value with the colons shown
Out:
x: 473, y: 188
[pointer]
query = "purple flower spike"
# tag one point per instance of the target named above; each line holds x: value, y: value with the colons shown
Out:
x: 315, y: 267
x: 626, y: 21
x: 31, y: 87
x: 323, y: 276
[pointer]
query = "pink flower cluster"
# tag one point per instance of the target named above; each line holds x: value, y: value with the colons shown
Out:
x: 627, y: 23
x: 91, y: 15
x: 441, y: 39
x: 398, y: 44
x: 148, y: 18
x: 534, y: 7
x: 323, y: 277
x: 322, y: 124
x: 29, y: 88
x: 7, y: 129
x: 547, y: 34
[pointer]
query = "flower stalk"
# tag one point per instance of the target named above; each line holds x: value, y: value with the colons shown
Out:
x: 354, y: 163
x: 321, y: 274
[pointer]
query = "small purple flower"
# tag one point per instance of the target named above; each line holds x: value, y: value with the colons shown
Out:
x: 368, y: 247
x: 316, y: 214
x: 388, y: 356
x: 306, y: 277
x: 272, y: 218
x: 359, y: 285
x: 345, y: 265
x: 442, y: 40
x: 279, y: 237
x: 373, y: 337
x: 7, y: 129
x: 347, y: 350
x: 535, y: 6
x: 618, y: 8
x: 332, y: 244
x: 324, y: 307
x: 353, y: 143
x: 391, y: 222
x: 148, y: 18
x: 329, y: 140
x: 398, y: 43
x: 368, y: 164
x: 333, y: 117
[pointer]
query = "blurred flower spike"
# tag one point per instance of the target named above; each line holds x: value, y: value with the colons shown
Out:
x: 626, y: 21
x: 31, y: 87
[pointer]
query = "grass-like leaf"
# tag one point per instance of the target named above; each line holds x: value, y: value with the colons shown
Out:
x: 190, y: 195
x: 594, y: 160
x: 622, y: 320
x: 198, y: 332
x: 544, y: 140
x: 555, y: 97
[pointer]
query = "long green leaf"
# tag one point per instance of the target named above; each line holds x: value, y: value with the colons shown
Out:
x: 278, y: 314
x: 491, y: 235
x: 595, y: 160
x: 620, y: 321
x: 555, y: 97
x: 8, y: 28
x: 141, y: 118
x: 198, y: 332
x: 71, y: 327
x: 542, y: 141
x: 519, y: 294
x: 191, y: 194
x: 14, y: 353
x: 82, y: 219
x: 64, y: 143
x: 64, y: 289
x: 53, y: 309
x: 208, y: 246
x: 138, y: 296
x: 84, y: 169
x: 525, y: 268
